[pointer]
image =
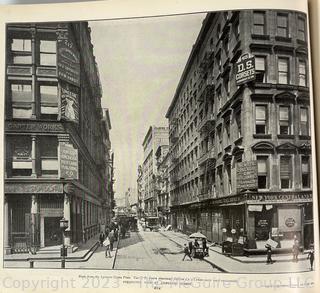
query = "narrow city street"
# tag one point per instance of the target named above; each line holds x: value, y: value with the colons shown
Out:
x: 146, y: 250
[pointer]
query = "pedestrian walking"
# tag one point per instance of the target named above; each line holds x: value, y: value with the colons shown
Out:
x: 205, y: 247
x: 190, y: 247
x: 101, y: 238
x: 106, y: 243
x: 269, y: 254
x: 111, y: 239
x: 311, y: 256
x: 186, y: 252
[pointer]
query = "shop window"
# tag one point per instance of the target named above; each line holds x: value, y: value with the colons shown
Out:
x: 48, y: 53
x: 263, y: 172
x: 49, y: 102
x: 304, y: 121
x: 305, y: 171
x: 285, y: 172
x: 283, y: 70
x: 48, y: 155
x: 21, y: 156
x: 259, y: 22
x: 282, y: 25
x: 261, y: 119
x: 302, y: 73
x: 284, y: 120
x: 21, y: 51
x: 301, y: 29
x: 260, y: 62
x: 21, y: 98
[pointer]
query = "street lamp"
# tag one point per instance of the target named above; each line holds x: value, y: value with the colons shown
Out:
x: 63, y: 252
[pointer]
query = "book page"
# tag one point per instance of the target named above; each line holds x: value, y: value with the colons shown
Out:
x: 159, y: 146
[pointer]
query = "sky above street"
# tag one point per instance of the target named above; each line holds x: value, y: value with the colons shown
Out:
x: 140, y: 64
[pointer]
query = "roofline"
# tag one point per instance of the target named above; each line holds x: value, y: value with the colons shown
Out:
x: 147, y: 135
x: 195, y: 48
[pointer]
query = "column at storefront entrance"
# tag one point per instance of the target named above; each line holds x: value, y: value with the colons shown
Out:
x: 67, y: 216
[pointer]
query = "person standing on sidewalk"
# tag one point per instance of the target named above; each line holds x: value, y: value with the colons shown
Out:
x: 106, y: 243
x: 269, y: 254
x: 311, y: 256
x: 295, y: 249
x: 186, y: 252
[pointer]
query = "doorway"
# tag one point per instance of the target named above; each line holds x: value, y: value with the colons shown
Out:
x: 52, y: 231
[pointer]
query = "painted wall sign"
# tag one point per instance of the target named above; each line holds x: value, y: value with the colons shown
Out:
x: 245, y: 69
x: 247, y: 175
x: 68, y: 162
x: 69, y: 102
x: 68, y: 62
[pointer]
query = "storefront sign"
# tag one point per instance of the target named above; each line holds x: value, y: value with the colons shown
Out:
x: 68, y: 162
x: 30, y: 126
x: 24, y: 188
x: 68, y: 58
x: 247, y: 175
x: 289, y: 219
x: 245, y: 69
x: 69, y: 102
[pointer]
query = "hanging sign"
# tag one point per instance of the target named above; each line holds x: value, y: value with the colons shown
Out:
x: 245, y: 69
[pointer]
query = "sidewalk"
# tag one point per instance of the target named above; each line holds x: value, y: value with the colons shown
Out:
x: 52, y: 253
x: 242, y: 264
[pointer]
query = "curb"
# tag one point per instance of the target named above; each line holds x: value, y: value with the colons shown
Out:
x: 209, y: 262
x: 115, y: 254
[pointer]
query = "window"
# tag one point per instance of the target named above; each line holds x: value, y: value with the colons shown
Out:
x: 237, y: 29
x: 283, y: 70
x: 218, y: 31
x: 48, y: 53
x: 285, y: 172
x: 301, y: 29
x: 219, y: 62
x: 282, y: 25
x: 261, y: 119
x: 21, y: 51
x: 227, y: 85
x: 226, y: 44
x: 259, y: 23
x: 49, y: 102
x: 220, y: 139
x: 21, y: 156
x: 263, y: 172
x: 227, y: 125
x: 21, y: 98
x: 238, y: 123
x: 228, y: 171
x: 302, y: 73
x: 260, y: 62
x: 305, y: 171
x: 48, y: 155
x: 304, y: 121
x: 284, y: 120
x: 220, y: 174
x: 219, y: 104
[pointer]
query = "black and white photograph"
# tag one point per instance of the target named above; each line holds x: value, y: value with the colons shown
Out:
x: 178, y: 143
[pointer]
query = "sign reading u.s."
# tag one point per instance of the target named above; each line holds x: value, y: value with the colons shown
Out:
x: 245, y: 69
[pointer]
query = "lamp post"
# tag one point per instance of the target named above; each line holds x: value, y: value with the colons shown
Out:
x: 63, y: 252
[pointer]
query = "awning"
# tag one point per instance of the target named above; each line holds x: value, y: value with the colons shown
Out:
x: 232, y: 204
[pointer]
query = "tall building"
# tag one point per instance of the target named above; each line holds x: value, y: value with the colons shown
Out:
x: 162, y: 184
x: 140, y: 192
x: 55, y: 139
x: 155, y: 137
x: 109, y: 159
x: 240, y: 148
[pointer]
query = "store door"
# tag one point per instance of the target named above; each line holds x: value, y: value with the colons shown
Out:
x: 52, y: 231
